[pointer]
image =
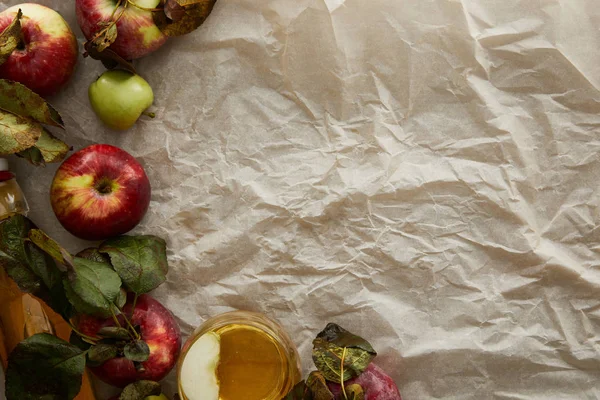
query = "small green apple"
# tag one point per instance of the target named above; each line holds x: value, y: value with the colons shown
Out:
x: 119, y: 98
x: 161, y: 397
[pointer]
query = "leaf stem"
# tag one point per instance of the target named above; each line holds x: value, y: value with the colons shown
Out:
x: 115, y: 318
x: 93, y: 339
x: 342, y: 373
x: 131, y: 328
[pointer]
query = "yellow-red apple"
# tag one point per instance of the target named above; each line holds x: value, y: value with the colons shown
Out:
x: 100, y: 192
x: 46, y: 58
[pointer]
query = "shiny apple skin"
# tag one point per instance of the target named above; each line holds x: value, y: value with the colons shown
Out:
x: 48, y: 60
x: 86, y: 212
x: 137, y: 35
x: 158, y: 329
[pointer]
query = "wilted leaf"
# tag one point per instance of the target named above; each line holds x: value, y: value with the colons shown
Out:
x: 318, y: 386
x: 337, y: 335
x: 44, y: 367
x: 335, y: 349
x: 52, y: 149
x: 48, y: 245
x: 92, y: 287
x: 11, y: 38
x: 140, y: 390
x: 181, y: 17
x: 33, y: 155
x: 137, y: 351
x: 103, y: 41
x: 140, y: 261
x: 355, y: 392
x: 17, y: 133
x: 109, y: 58
x: 19, y: 99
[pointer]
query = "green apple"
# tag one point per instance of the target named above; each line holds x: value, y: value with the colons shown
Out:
x: 161, y: 397
x: 119, y: 98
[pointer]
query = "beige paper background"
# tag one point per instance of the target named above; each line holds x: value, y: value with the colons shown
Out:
x: 423, y: 172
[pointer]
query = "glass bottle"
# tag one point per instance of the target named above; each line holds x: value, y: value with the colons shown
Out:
x: 21, y: 314
x: 257, y: 359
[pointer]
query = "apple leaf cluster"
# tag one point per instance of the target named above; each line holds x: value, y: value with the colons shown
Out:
x: 93, y: 282
x: 172, y: 17
x: 339, y: 356
x: 23, y: 113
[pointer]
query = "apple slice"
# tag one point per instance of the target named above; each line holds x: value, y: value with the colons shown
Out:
x: 198, y: 375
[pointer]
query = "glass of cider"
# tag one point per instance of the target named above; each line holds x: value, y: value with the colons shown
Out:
x: 238, y: 355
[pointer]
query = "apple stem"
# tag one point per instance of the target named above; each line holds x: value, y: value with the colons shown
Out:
x: 149, y: 114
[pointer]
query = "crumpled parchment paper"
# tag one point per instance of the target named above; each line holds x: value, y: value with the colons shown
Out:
x: 422, y: 172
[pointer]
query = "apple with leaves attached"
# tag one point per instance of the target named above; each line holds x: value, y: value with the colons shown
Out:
x: 100, y: 192
x: 42, y: 50
x: 157, y: 328
x: 376, y: 384
x: 136, y: 33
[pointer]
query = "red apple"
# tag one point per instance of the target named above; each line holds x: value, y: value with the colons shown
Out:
x: 100, y: 192
x: 137, y: 34
x: 46, y: 59
x: 376, y: 384
x: 158, y: 329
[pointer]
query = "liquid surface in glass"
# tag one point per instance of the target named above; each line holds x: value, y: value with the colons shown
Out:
x: 251, y: 364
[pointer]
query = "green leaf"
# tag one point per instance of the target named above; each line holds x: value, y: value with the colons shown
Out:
x: 18, y: 99
x: 17, y: 133
x: 334, y: 345
x: 114, y: 332
x: 44, y: 367
x: 140, y: 261
x: 355, y: 392
x: 100, y: 353
x: 140, y: 390
x: 299, y: 392
x: 92, y: 287
x: 137, y: 351
x: 318, y: 386
x: 78, y: 341
x: 92, y: 253
x: 11, y: 38
x: 181, y: 17
x: 32, y: 270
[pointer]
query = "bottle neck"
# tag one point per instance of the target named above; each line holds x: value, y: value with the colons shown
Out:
x: 6, y: 176
x: 5, y: 173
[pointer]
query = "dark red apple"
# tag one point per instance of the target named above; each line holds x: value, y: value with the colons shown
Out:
x: 137, y: 34
x: 376, y: 384
x: 100, y: 192
x: 46, y: 59
x: 158, y: 329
